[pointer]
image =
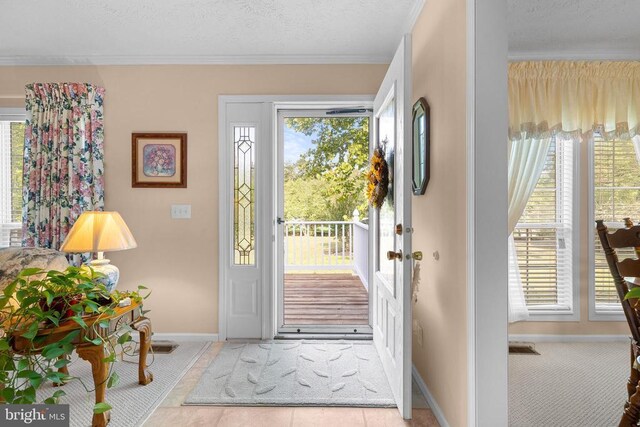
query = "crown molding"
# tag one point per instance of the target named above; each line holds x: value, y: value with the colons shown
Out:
x: 28, y: 60
x: 415, y: 11
x: 574, y: 55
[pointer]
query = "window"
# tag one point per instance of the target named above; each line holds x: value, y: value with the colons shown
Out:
x: 244, y: 195
x: 544, y: 235
x: 616, y: 195
x: 12, y: 124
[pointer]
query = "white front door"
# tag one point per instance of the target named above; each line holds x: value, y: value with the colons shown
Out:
x: 391, y: 297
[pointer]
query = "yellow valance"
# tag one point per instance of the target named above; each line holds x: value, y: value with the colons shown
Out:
x: 574, y: 96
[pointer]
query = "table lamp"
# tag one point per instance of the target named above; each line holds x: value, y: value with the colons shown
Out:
x: 100, y: 232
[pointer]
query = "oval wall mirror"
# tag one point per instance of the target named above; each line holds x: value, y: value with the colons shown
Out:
x: 421, y: 143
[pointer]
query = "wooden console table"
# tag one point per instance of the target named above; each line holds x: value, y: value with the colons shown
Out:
x: 95, y: 354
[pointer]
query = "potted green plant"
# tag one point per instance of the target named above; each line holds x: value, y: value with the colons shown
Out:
x: 39, y: 299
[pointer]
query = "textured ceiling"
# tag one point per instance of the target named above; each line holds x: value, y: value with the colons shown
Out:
x: 574, y: 28
x: 133, y: 31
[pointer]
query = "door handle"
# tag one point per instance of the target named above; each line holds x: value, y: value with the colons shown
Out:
x: 280, y: 220
x: 399, y: 229
x: 391, y: 255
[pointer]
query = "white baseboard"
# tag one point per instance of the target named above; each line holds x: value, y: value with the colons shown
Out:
x: 183, y: 337
x: 437, y: 412
x: 567, y: 338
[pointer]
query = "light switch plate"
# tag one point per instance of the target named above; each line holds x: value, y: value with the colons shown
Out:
x: 181, y: 211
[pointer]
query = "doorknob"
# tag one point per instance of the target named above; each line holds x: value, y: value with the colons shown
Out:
x: 399, y: 229
x: 391, y: 255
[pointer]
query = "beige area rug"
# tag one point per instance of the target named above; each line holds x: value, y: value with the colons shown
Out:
x: 132, y: 403
x: 569, y: 384
x: 294, y: 373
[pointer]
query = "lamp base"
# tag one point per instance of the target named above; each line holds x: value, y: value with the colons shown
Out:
x: 110, y: 271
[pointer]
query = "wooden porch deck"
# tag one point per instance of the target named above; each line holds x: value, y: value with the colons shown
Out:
x: 325, y: 299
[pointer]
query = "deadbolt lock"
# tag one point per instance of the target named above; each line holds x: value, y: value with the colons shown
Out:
x: 417, y: 255
x: 391, y: 255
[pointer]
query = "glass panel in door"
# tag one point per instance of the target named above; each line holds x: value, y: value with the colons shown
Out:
x: 386, y: 214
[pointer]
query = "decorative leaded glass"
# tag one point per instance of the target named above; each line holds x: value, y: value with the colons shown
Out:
x: 244, y: 195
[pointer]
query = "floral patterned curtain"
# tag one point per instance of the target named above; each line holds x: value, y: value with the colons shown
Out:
x: 63, y: 159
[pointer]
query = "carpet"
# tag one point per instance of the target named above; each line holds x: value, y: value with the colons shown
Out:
x: 569, y: 384
x: 132, y: 403
x: 294, y: 373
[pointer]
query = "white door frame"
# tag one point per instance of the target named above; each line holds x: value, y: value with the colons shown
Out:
x: 487, y: 124
x: 309, y: 331
x: 272, y: 103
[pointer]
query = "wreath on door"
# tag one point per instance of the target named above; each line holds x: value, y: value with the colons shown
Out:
x: 378, y: 179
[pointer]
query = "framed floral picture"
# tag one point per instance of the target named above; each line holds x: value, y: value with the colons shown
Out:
x: 159, y: 160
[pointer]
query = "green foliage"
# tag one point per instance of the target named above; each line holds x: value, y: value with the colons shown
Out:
x: 329, y: 181
x: 634, y: 293
x: 101, y: 407
x: 37, y: 299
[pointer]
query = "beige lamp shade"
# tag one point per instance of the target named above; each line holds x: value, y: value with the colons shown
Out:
x: 98, y: 232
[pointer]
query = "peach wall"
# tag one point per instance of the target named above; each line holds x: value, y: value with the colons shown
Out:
x: 584, y: 326
x: 178, y: 259
x: 439, y: 217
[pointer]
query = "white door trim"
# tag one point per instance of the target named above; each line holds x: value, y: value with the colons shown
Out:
x: 487, y: 112
x: 272, y: 103
x: 223, y: 156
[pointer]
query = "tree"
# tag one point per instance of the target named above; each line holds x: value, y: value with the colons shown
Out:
x: 328, y: 181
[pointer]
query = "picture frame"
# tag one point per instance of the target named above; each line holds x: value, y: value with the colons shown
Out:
x: 421, y: 169
x: 159, y: 160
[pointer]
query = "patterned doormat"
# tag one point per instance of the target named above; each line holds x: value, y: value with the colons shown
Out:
x: 294, y: 373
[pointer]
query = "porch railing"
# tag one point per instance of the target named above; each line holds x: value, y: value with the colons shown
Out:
x: 318, y: 245
x: 326, y: 245
x: 361, y: 251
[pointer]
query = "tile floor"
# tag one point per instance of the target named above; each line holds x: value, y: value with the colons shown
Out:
x: 171, y: 414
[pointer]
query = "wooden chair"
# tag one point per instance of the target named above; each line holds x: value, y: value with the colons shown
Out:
x: 621, y: 270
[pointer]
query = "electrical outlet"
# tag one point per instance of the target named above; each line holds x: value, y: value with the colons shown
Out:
x: 181, y: 211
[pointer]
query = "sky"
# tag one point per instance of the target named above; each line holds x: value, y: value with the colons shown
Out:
x: 295, y: 144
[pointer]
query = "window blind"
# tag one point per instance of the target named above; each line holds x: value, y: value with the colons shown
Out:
x: 544, y: 234
x: 616, y: 187
x: 11, y: 155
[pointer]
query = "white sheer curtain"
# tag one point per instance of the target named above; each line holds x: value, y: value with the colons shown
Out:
x: 526, y: 162
x: 636, y: 146
x: 517, y: 304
